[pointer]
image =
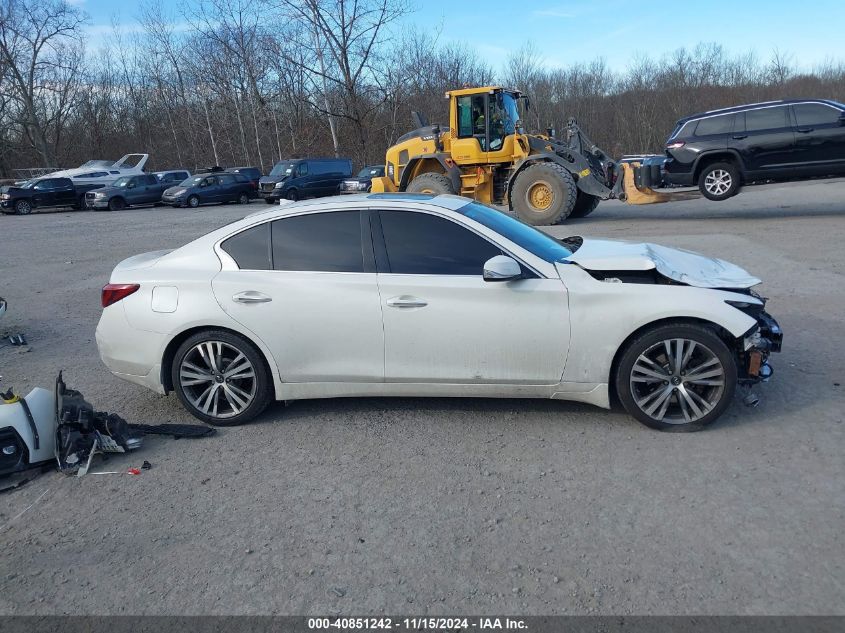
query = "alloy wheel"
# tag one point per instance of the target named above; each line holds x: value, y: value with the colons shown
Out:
x: 23, y: 207
x: 677, y: 381
x: 718, y: 182
x: 217, y: 379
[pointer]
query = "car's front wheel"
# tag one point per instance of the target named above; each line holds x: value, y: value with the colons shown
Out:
x: 677, y: 377
x: 193, y: 201
x: 221, y: 378
x: 719, y: 181
x: 23, y: 207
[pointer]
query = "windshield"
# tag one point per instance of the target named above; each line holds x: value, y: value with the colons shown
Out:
x: 371, y: 172
x: 28, y: 184
x: 122, y: 181
x: 190, y: 182
x: 282, y: 169
x: 526, y: 236
x: 98, y: 163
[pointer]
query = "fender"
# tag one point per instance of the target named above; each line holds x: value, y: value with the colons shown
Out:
x: 451, y: 171
x: 710, y: 153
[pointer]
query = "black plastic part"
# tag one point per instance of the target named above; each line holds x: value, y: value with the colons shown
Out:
x: 35, y: 439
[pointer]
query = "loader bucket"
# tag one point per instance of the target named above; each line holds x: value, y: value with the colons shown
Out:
x: 639, y: 195
x: 382, y: 185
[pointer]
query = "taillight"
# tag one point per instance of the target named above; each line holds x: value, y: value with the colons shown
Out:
x: 112, y: 293
x: 675, y: 145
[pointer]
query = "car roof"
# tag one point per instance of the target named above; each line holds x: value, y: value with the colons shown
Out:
x: 752, y: 106
x: 367, y: 200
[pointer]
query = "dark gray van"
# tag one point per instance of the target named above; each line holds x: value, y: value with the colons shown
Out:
x: 299, y: 178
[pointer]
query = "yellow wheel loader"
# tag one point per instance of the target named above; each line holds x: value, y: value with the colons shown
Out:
x: 485, y: 154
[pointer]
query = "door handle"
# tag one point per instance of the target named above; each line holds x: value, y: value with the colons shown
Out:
x: 805, y: 130
x: 406, y: 301
x: 251, y: 296
x: 739, y: 137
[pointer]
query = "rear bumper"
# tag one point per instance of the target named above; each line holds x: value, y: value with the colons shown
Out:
x: 680, y: 174
x: 129, y: 353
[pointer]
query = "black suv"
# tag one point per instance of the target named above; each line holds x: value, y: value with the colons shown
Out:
x: 722, y: 149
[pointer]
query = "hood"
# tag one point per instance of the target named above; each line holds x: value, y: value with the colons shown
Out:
x: 677, y: 264
x: 174, y: 188
x: 273, y: 178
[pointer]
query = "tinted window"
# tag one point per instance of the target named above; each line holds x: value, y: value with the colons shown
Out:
x: 765, y: 119
x: 227, y: 179
x: 422, y: 244
x: 329, y: 242
x: 715, y: 125
x: 303, y: 169
x: 816, y: 114
x: 241, y: 178
x: 533, y: 240
x: 250, y: 248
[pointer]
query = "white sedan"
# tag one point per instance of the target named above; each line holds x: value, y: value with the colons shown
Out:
x: 416, y: 295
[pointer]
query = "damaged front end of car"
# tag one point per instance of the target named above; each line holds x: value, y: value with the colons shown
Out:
x: 762, y: 339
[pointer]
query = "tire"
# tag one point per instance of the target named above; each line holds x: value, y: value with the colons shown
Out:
x: 23, y: 207
x: 193, y: 201
x: 719, y: 181
x: 665, y: 404
x: 292, y: 195
x: 270, y: 200
x: 233, y: 399
x: 435, y: 184
x: 585, y: 204
x: 543, y: 194
x: 117, y: 204
x: 243, y: 199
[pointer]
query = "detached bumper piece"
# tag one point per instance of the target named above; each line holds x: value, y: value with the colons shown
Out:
x: 83, y: 432
x: 765, y: 340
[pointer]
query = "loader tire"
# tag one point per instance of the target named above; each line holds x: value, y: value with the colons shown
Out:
x: 436, y: 184
x: 584, y: 205
x: 544, y: 194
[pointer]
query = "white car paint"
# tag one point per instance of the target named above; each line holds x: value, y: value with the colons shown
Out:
x: 336, y: 334
x: 110, y: 171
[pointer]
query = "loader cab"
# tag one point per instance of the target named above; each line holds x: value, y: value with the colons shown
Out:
x: 486, y: 125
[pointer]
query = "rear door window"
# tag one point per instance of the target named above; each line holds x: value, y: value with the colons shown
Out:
x: 251, y: 248
x: 815, y: 114
x: 324, y: 242
x: 722, y: 124
x: 765, y: 119
x: 424, y: 244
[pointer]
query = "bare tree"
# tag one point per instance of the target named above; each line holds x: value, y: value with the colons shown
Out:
x: 41, y: 49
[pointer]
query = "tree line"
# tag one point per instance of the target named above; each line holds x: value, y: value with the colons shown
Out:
x: 247, y: 82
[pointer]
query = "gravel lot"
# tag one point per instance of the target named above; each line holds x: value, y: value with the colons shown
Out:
x: 443, y: 506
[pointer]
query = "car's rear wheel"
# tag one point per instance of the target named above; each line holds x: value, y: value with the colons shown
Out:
x: 677, y: 377
x: 719, y: 181
x: 23, y: 207
x: 117, y: 204
x: 193, y: 201
x: 221, y: 378
x: 243, y: 199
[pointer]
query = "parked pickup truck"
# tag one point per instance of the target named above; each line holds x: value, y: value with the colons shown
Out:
x: 127, y: 191
x: 43, y: 193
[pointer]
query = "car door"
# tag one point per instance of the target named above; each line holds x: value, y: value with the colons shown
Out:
x: 765, y: 141
x: 443, y: 323
x: 64, y: 193
x: 44, y: 193
x: 820, y: 137
x: 312, y: 297
x: 211, y: 192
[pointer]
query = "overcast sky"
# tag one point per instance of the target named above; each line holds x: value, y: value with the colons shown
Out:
x: 567, y: 31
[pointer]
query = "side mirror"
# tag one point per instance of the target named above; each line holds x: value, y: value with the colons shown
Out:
x: 501, y: 268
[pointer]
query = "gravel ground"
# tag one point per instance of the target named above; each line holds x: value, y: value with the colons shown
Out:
x: 443, y: 506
